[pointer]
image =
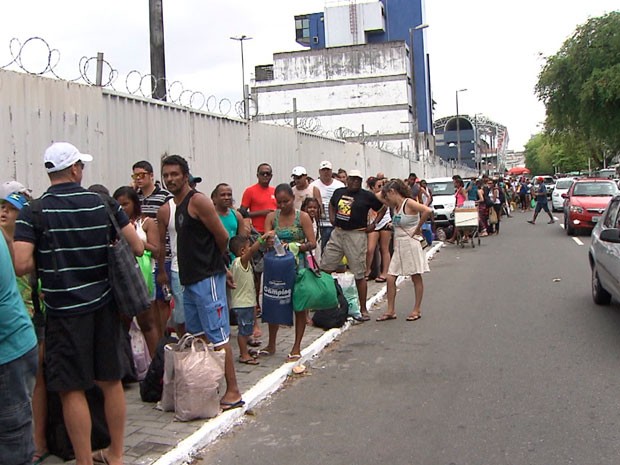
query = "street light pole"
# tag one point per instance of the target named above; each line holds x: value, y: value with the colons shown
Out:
x: 246, y: 109
x: 458, y: 128
x: 414, y: 103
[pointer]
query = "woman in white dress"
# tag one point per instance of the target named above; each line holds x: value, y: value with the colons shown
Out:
x: 409, y: 258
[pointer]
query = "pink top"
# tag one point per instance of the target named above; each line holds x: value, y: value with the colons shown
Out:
x: 460, y: 197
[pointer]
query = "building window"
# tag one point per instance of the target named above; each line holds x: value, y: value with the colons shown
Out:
x: 302, y: 29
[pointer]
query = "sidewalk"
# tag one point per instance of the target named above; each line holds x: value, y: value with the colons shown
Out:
x: 154, y: 437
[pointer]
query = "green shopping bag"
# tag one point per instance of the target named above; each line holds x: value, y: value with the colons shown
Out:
x: 533, y: 203
x: 146, y: 268
x: 314, y: 290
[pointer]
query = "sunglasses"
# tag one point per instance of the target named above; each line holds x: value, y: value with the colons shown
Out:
x: 264, y: 173
x: 139, y: 175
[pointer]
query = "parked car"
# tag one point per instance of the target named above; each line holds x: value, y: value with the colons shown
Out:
x: 585, y: 202
x: 561, y: 187
x: 443, y: 199
x: 604, y: 255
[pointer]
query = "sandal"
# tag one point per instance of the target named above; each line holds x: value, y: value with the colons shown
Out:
x: 293, y: 357
x: 386, y: 317
x: 380, y: 279
x: 99, y: 458
x: 39, y: 457
x: 260, y: 353
x: 250, y: 361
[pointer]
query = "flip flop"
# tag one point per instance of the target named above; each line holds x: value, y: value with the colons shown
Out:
x: 99, y: 458
x: 40, y: 458
x: 386, y: 317
x: 255, y: 343
x: 414, y: 317
x: 293, y: 357
x: 380, y: 279
x: 225, y: 406
x: 251, y: 361
x: 260, y: 353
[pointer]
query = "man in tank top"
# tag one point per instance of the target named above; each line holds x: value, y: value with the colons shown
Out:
x: 201, y: 246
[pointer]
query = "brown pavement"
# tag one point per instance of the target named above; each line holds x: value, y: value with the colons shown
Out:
x: 150, y: 433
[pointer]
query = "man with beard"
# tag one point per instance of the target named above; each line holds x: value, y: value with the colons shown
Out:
x: 202, y: 243
x: 348, y: 212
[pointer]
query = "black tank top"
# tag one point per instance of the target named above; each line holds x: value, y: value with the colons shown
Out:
x: 198, y: 254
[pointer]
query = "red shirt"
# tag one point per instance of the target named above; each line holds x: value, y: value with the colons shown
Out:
x: 257, y: 198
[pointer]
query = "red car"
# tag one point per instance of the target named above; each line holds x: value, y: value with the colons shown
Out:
x: 585, y: 202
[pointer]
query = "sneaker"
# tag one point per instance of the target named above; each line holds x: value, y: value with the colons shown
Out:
x: 530, y: 222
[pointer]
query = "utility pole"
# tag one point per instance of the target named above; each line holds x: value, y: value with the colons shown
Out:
x: 158, y: 54
x: 245, y: 93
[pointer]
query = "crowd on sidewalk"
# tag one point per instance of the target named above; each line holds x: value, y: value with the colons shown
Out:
x: 61, y: 330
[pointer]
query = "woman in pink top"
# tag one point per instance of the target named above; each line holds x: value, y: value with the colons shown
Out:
x: 461, y: 196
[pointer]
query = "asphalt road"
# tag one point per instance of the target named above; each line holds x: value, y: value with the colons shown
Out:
x: 512, y: 363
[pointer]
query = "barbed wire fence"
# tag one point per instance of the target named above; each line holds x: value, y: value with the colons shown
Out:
x: 37, y: 57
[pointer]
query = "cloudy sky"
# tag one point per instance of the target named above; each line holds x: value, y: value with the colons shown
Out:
x: 493, y: 48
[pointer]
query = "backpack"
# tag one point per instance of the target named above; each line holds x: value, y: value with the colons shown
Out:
x: 333, y: 317
x: 152, y: 385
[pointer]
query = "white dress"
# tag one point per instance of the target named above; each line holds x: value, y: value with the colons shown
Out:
x: 409, y: 257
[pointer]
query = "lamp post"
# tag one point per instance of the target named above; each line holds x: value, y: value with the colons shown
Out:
x: 458, y: 128
x: 414, y: 104
x: 246, y: 110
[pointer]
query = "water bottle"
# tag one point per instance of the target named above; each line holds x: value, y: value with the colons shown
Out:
x: 278, y: 247
x: 166, y: 292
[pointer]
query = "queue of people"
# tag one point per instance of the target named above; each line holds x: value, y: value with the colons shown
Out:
x: 200, y: 252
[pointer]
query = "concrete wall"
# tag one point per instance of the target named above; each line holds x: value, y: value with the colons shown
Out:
x: 119, y: 130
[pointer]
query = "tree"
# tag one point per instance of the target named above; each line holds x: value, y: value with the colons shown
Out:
x: 580, y: 87
x: 545, y: 153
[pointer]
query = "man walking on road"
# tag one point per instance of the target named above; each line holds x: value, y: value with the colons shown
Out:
x: 202, y: 243
x: 541, y: 202
x: 327, y: 185
x: 83, y: 329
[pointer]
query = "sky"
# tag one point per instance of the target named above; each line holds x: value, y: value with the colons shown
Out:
x: 494, y: 49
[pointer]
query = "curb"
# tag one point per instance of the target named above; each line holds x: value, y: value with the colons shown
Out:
x: 185, y: 450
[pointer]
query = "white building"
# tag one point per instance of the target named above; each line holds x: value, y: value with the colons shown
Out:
x: 360, y: 92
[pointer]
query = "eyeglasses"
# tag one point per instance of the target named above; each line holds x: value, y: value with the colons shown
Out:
x: 139, y: 175
x: 80, y: 163
x: 264, y: 173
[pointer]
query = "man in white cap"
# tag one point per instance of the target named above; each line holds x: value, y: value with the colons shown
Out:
x: 83, y: 327
x: 348, y: 212
x: 327, y: 185
x: 302, y: 188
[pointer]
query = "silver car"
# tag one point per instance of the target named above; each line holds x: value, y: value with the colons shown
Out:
x: 604, y: 255
x: 561, y: 187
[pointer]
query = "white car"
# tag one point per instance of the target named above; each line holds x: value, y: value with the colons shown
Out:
x: 561, y: 187
x: 443, y: 199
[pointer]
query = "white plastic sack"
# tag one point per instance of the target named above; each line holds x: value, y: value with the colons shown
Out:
x: 139, y: 350
x: 349, y: 289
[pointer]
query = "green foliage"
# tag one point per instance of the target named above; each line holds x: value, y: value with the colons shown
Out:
x: 545, y: 153
x: 580, y: 87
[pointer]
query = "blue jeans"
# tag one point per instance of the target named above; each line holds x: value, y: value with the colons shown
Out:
x: 16, y: 386
x: 326, y: 232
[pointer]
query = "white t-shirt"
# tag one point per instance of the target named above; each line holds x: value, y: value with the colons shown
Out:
x: 172, y: 232
x: 326, y: 196
x: 301, y: 195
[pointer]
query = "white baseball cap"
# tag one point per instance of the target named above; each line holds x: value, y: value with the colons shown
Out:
x: 325, y: 164
x: 299, y: 171
x: 356, y: 174
x: 61, y: 155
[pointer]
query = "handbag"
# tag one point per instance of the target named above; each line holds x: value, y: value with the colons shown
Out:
x: 146, y: 268
x: 139, y: 350
x: 492, y: 216
x: 126, y: 280
x: 195, y: 377
x: 314, y: 290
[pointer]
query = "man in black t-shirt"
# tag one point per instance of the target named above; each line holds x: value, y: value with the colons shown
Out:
x: 348, y: 212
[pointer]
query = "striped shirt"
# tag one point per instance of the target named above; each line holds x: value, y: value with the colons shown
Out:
x: 79, y: 226
x: 151, y: 204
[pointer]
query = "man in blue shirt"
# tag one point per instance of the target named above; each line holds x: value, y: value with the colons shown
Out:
x: 18, y: 366
x: 541, y: 202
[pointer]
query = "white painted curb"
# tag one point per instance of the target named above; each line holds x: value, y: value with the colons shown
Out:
x: 186, y: 449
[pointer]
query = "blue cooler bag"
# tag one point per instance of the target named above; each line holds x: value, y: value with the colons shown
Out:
x: 278, y: 281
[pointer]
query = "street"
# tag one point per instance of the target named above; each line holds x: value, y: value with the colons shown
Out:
x: 512, y: 363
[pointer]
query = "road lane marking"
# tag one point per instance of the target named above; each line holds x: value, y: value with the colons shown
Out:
x: 576, y: 239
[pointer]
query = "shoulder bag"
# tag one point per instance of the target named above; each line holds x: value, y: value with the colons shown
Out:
x: 126, y: 280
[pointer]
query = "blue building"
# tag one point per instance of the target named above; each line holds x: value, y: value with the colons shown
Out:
x: 375, y: 22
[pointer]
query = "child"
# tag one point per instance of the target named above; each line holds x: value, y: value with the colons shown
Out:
x: 312, y: 207
x: 243, y: 296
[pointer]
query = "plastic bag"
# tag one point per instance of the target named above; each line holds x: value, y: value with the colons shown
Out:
x: 146, y: 267
x: 349, y: 289
x: 139, y: 350
x: 314, y: 291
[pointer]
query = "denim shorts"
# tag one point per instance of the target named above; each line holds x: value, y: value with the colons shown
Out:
x: 159, y: 294
x: 178, y: 313
x: 16, y: 386
x: 245, y: 320
x: 206, y: 309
